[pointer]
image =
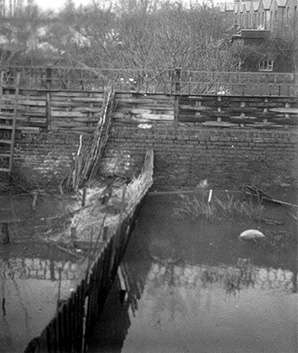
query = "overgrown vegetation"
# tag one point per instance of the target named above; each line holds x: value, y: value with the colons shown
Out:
x: 143, y: 34
x: 197, y: 206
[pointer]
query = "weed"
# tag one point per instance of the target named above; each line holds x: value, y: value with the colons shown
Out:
x: 197, y: 206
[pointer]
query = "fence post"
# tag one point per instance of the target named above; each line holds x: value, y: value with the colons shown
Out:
x: 177, y: 80
x: 177, y: 76
x: 48, y: 98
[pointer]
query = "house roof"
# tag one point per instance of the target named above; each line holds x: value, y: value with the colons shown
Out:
x: 236, y: 7
x: 229, y: 6
x: 267, y: 4
x: 281, y: 3
x: 247, y: 5
x: 226, y: 6
x: 255, y: 5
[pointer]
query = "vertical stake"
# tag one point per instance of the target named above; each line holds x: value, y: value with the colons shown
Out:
x: 48, y: 98
x: 84, y: 196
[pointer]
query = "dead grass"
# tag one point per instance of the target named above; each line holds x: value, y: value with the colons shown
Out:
x: 197, y: 206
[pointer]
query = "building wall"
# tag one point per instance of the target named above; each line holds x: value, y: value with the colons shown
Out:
x: 11, y: 7
x: 281, y: 20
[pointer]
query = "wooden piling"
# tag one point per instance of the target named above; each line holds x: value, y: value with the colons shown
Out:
x: 4, y: 234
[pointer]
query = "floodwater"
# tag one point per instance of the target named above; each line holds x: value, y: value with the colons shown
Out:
x: 194, y: 287
x: 34, y: 275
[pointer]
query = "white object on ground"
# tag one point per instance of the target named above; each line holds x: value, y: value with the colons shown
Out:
x: 251, y: 234
x: 210, y: 195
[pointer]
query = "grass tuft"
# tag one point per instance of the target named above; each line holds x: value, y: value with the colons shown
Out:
x: 197, y: 206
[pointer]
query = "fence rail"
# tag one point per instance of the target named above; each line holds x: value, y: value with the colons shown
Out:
x: 76, y: 111
x: 167, y: 81
x: 237, y: 111
x: 79, y: 111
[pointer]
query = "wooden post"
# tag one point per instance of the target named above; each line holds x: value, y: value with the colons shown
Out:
x: 171, y: 75
x: 84, y: 196
x: 3, y: 306
x: 177, y: 80
x: 177, y: 75
x: 4, y: 234
x: 48, y: 98
x: 73, y: 234
x: 34, y: 200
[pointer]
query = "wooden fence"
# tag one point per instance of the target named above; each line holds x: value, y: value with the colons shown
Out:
x: 53, y: 110
x: 238, y: 111
x: 76, y: 316
x: 209, y: 110
x: 167, y: 81
x: 79, y: 111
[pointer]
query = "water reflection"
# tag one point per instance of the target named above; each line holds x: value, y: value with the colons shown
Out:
x: 231, y: 279
x: 30, y: 288
x: 171, y: 293
x: 191, y: 286
x: 36, y: 268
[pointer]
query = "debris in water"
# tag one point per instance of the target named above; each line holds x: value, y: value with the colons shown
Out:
x: 251, y: 234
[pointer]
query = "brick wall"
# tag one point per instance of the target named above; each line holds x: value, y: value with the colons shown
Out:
x: 185, y: 154
x: 44, y: 159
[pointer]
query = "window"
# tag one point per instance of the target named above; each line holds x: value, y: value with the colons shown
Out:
x: 266, y: 65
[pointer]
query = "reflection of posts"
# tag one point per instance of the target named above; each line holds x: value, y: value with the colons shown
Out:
x: 4, y: 234
x: 294, y: 279
x: 3, y: 297
x: 3, y: 307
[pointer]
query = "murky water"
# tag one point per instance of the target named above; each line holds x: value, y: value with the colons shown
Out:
x: 33, y: 278
x: 33, y: 275
x: 194, y: 287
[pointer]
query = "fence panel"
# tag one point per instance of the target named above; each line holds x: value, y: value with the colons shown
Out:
x: 155, y: 81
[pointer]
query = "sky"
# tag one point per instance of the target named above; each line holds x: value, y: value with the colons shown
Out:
x: 57, y: 4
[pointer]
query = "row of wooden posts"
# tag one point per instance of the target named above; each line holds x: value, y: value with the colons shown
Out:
x: 75, y: 317
x: 80, y: 111
x: 166, y: 81
x: 68, y: 330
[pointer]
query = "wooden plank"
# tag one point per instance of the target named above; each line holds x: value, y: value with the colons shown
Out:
x: 58, y: 114
x: 6, y: 127
x: 285, y: 110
